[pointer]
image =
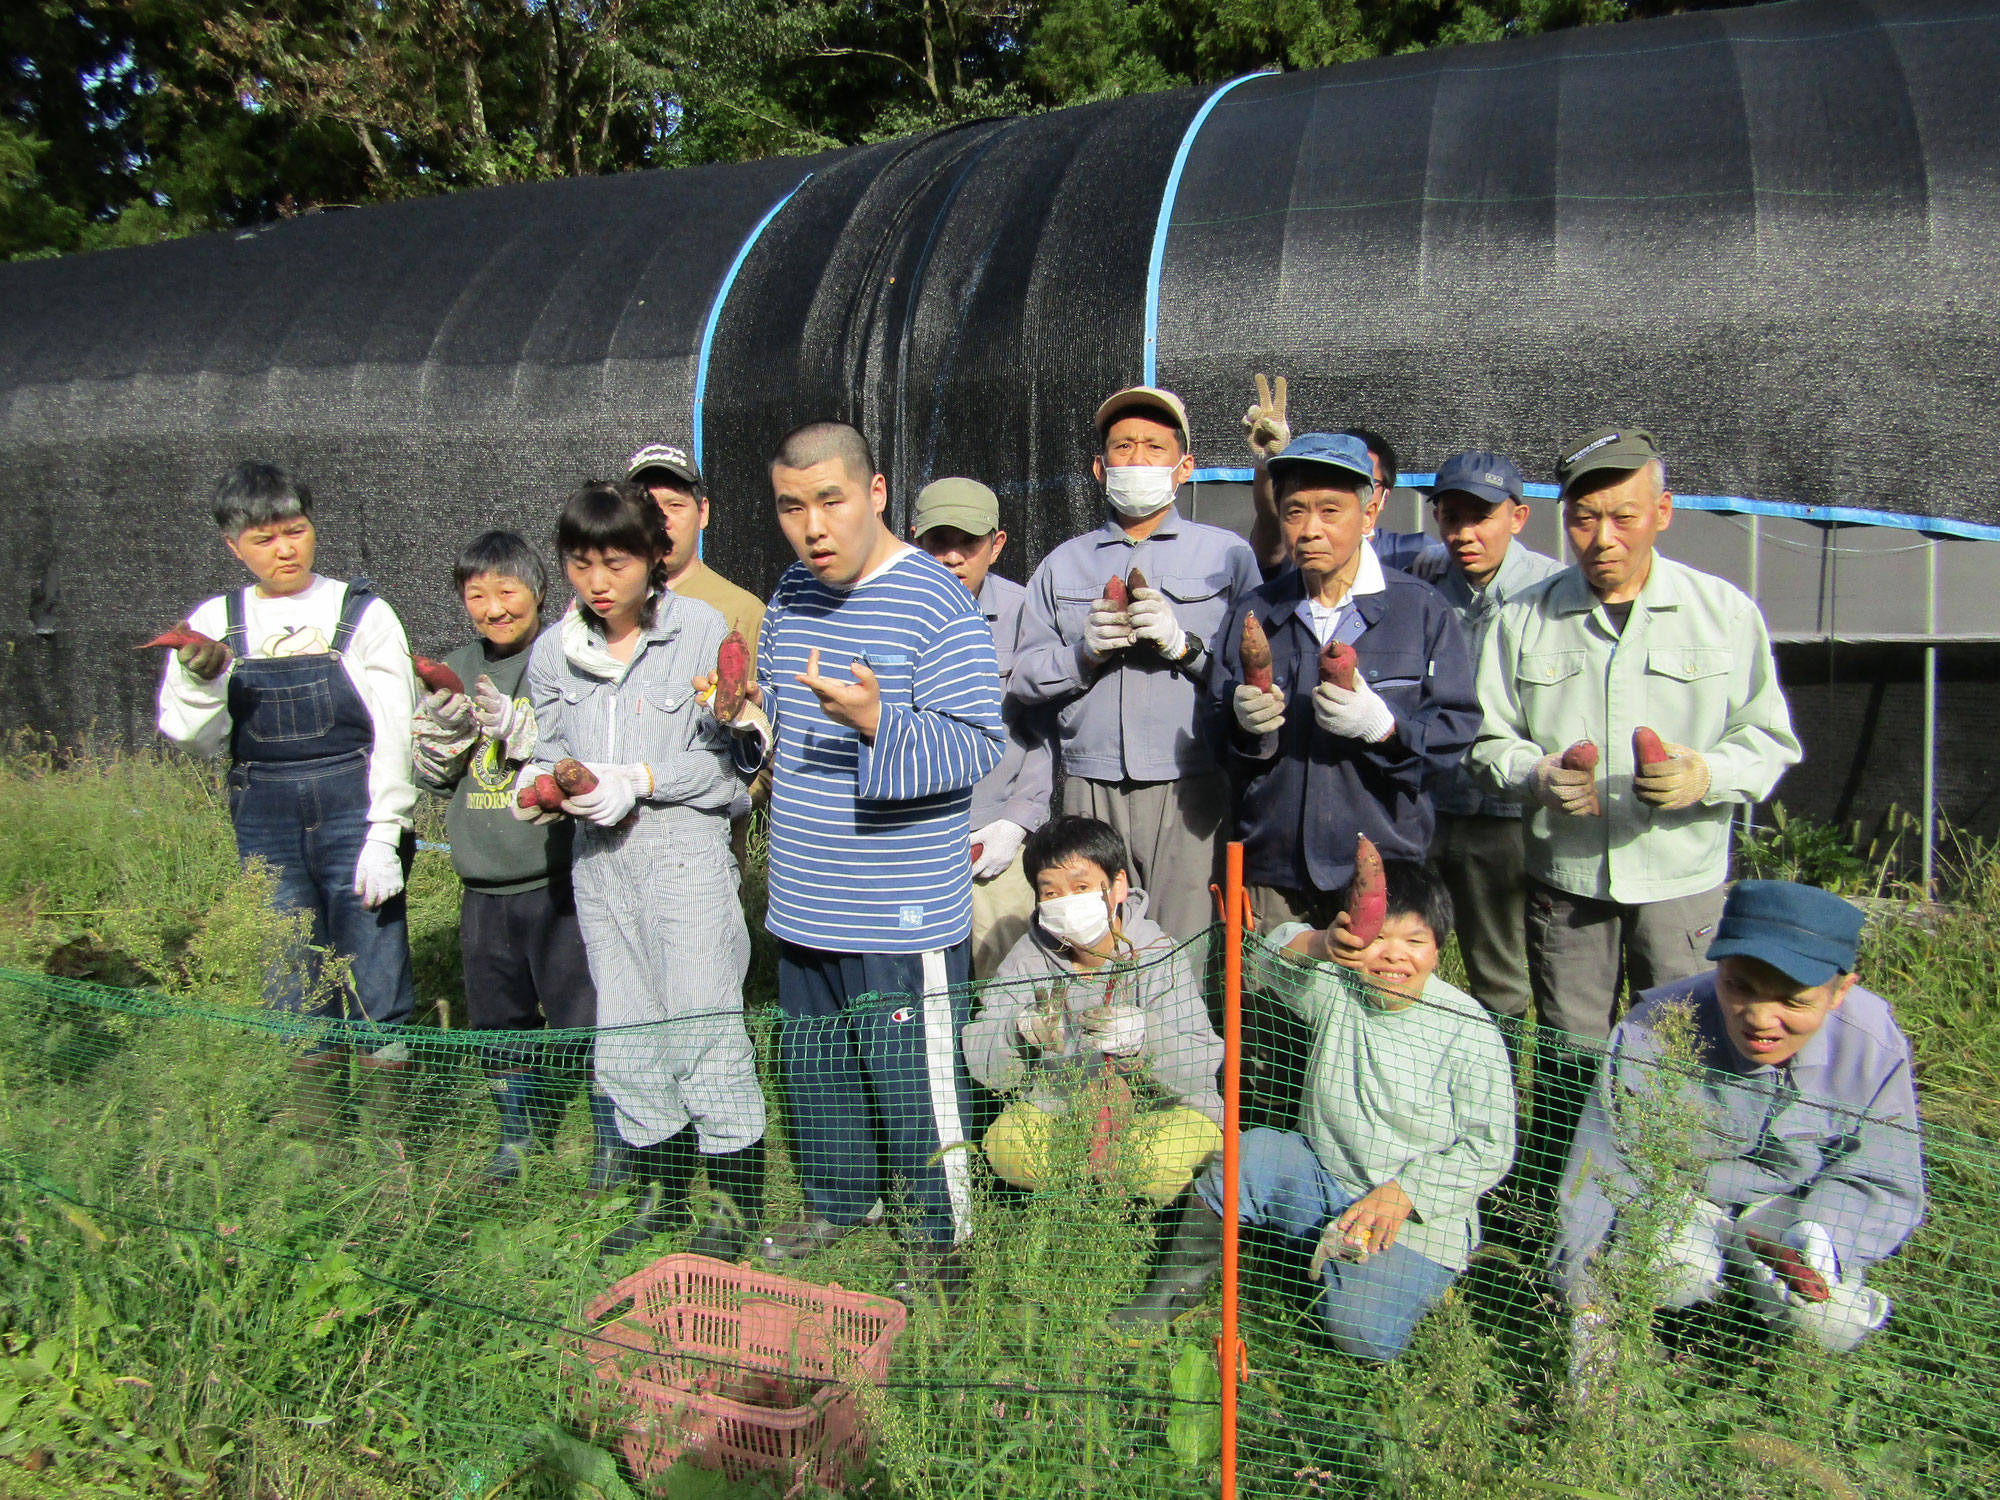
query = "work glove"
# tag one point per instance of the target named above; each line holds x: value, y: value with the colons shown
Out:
x: 1115, y: 1030
x: 1260, y: 711
x: 1106, y: 631
x: 1264, y: 426
x: 447, y: 714
x: 1571, y: 793
x: 999, y: 841
x: 378, y: 874
x: 1356, y: 713
x: 1041, y: 1026
x: 1152, y: 620
x: 526, y: 778
x: 205, y: 659
x: 619, y: 789
x: 507, y: 722
x: 1679, y: 781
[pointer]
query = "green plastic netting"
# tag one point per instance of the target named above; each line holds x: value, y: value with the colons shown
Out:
x: 254, y: 1254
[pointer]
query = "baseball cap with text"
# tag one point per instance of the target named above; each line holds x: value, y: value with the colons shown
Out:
x: 1621, y: 448
x: 668, y: 459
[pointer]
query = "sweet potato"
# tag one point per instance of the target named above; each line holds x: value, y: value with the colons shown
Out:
x: 181, y: 635
x: 1582, y: 756
x: 1368, y: 899
x: 1115, y: 1096
x: 575, y: 778
x: 436, y: 676
x: 1647, y: 749
x: 732, y: 676
x: 543, y: 792
x: 1116, y: 594
x: 1256, y: 652
x: 1791, y: 1267
x: 1337, y: 664
x: 1135, y: 580
x: 977, y: 850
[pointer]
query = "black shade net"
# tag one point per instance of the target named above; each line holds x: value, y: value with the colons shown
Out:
x: 1763, y: 233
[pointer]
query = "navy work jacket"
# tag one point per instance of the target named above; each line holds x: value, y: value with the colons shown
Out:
x: 1302, y: 801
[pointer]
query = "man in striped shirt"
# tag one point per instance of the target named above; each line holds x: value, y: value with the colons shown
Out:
x: 876, y: 669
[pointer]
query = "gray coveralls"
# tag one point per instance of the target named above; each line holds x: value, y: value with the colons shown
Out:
x: 656, y: 898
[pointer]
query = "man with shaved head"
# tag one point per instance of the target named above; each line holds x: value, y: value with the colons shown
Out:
x: 877, y: 705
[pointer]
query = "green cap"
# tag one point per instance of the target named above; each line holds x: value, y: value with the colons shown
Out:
x: 1620, y: 448
x: 964, y: 504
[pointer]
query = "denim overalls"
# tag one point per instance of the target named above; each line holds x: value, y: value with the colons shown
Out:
x: 299, y: 737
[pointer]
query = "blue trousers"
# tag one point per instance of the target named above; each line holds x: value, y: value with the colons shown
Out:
x: 307, y: 820
x: 1370, y: 1309
x: 876, y: 1092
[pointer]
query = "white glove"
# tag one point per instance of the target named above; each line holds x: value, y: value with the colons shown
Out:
x: 447, y: 714
x: 1041, y: 1027
x: 1259, y: 710
x: 1107, y: 630
x: 1002, y: 840
x: 752, y: 722
x: 378, y: 874
x: 1356, y: 714
x: 528, y: 776
x: 1570, y: 793
x: 1152, y: 620
x: 1115, y: 1030
x: 618, y: 789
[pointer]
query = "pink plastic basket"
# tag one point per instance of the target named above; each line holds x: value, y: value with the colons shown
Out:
x: 740, y: 1370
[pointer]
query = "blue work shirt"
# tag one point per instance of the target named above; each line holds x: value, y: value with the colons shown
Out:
x: 1835, y: 1128
x: 1018, y: 789
x: 1458, y: 791
x: 1306, y: 793
x: 1133, y: 717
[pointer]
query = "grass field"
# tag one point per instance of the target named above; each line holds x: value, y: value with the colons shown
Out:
x: 196, y: 1301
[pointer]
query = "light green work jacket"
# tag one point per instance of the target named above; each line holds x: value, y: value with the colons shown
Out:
x: 1693, y: 664
x: 1422, y: 1097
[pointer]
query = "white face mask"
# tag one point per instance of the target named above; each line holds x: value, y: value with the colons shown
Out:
x: 1081, y: 919
x: 1139, y: 489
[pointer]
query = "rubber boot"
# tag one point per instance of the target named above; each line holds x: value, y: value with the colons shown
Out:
x: 737, y: 1180
x: 516, y: 1096
x: 610, y: 1163
x: 381, y: 1095
x: 319, y: 1095
x: 664, y: 1173
x: 1183, y: 1273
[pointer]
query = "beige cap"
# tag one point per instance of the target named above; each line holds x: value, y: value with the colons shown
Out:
x: 1145, y: 395
x: 964, y: 504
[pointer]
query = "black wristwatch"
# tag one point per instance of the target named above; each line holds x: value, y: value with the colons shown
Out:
x: 1191, y: 653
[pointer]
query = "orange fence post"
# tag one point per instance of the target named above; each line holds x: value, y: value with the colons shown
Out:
x: 1230, y: 1354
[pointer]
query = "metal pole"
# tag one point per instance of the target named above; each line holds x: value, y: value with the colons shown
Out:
x: 1229, y: 1350
x: 1930, y: 723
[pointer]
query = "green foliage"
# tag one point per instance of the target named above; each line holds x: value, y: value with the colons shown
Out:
x: 126, y: 121
x: 195, y: 1300
x: 1814, y: 853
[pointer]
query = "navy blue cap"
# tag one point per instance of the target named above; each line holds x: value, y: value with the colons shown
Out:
x: 1334, y: 449
x: 1799, y: 930
x: 1484, y: 476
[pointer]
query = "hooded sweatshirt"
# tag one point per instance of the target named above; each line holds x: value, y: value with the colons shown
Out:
x: 1181, y: 1051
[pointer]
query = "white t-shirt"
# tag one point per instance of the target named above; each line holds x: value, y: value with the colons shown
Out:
x: 195, y: 714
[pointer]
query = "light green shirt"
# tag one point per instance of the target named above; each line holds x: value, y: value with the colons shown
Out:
x: 1693, y: 664
x: 1422, y: 1097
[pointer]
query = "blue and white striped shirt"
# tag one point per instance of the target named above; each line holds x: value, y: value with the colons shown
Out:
x: 869, y: 849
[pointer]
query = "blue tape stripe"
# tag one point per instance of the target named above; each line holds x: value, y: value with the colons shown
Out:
x: 1838, y: 515
x: 715, y: 312
x: 1172, y: 191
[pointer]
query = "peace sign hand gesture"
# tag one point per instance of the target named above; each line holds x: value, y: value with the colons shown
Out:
x: 1264, y: 425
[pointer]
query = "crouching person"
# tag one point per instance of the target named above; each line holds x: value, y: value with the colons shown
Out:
x: 517, y: 933
x: 656, y: 885
x: 306, y: 684
x: 1408, y: 1119
x: 1094, y: 1006
x: 1813, y: 1160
